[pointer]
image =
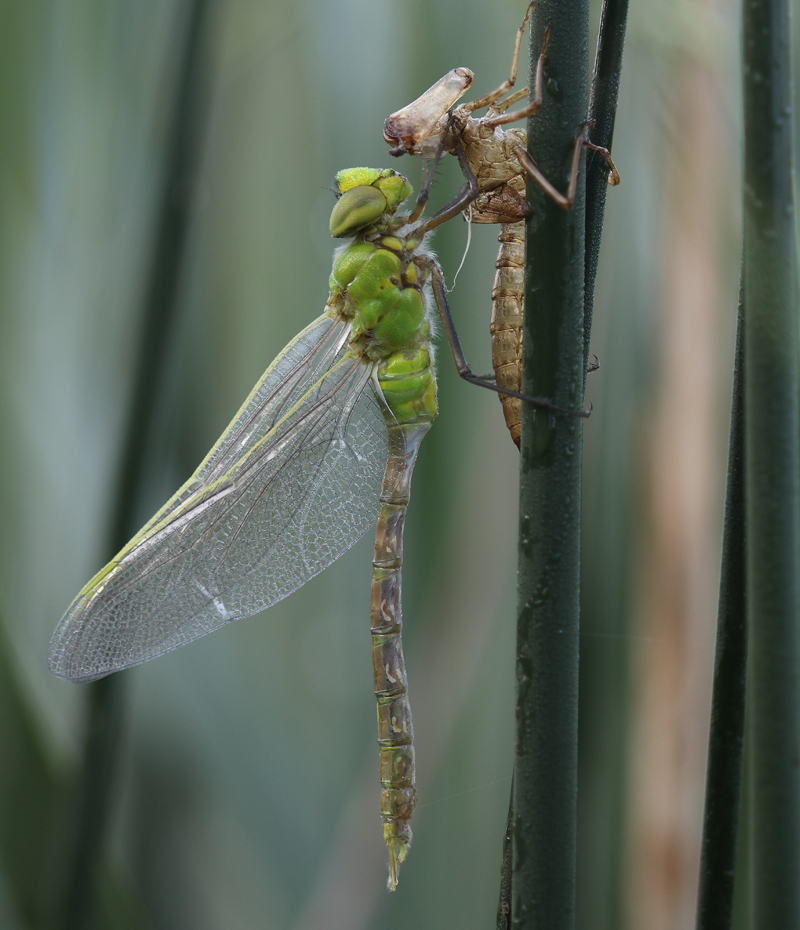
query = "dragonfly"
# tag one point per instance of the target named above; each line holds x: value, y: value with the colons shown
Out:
x: 322, y: 449
x: 495, y: 164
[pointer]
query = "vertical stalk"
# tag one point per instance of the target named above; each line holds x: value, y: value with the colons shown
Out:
x: 726, y: 737
x: 772, y: 464
x: 504, y: 905
x: 602, y: 886
x: 602, y: 109
x: 545, y: 776
x: 107, y: 697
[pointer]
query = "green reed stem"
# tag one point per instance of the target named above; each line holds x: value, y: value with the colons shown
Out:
x: 772, y: 464
x: 506, y: 869
x: 726, y: 737
x: 107, y: 697
x: 545, y: 777
x: 603, y: 96
x: 602, y: 108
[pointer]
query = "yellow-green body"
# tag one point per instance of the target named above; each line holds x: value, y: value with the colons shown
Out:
x: 325, y: 442
x: 377, y: 284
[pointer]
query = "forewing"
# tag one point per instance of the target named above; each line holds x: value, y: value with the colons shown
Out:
x: 289, y: 505
x: 299, y: 365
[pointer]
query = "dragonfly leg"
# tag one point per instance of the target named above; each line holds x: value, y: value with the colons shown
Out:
x: 594, y: 365
x: 530, y: 166
x: 613, y: 174
x: 506, y: 86
x: 465, y: 196
x: 502, y: 105
x: 462, y: 366
x: 428, y: 172
x: 566, y: 201
x: 535, y: 105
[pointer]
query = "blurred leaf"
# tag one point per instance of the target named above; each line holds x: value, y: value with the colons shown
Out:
x: 33, y: 808
x: 31, y: 799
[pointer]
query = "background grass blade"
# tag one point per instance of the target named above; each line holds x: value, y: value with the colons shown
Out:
x: 772, y: 463
x: 34, y: 792
x: 31, y: 800
x: 506, y: 869
x: 106, y: 710
x: 726, y: 738
x: 603, y: 97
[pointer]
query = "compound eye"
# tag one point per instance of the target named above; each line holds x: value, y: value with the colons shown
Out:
x: 355, y: 209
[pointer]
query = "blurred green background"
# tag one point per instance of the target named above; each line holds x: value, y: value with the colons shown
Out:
x: 248, y: 791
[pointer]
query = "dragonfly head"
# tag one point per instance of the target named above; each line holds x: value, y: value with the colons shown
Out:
x: 418, y: 129
x: 363, y: 195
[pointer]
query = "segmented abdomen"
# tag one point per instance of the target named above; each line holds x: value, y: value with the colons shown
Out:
x: 395, y: 729
x: 506, y: 324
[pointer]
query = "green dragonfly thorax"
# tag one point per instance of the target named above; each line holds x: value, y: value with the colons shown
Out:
x: 377, y: 283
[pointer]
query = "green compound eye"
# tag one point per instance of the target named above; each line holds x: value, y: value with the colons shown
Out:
x: 356, y: 208
x: 395, y: 187
x: 348, y: 178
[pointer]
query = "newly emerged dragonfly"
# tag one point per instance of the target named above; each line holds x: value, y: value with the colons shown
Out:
x: 322, y: 448
x: 496, y: 164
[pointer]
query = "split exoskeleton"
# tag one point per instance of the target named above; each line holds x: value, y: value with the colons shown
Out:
x: 496, y: 165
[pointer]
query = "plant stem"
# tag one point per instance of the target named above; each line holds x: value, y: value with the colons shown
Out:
x: 107, y: 697
x: 602, y: 109
x: 545, y: 777
x: 504, y: 906
x: 772, y: 464
x: 726, y: 737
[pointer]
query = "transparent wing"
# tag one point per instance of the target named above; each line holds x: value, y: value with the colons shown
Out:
x: 301, y: 363
x: 293, y: 482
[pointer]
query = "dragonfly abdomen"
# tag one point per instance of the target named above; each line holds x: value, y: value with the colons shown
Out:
x: 408, y: 383
x: 395, y: 729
